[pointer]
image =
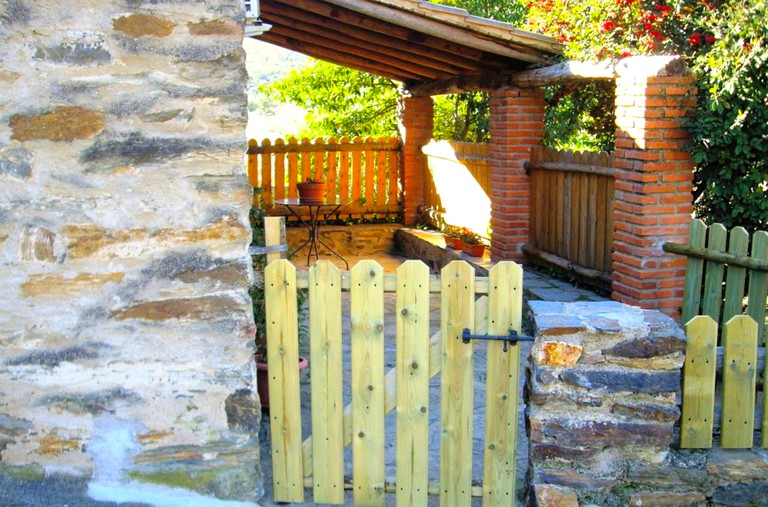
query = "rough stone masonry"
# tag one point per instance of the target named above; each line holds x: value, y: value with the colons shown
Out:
x: 602, y: 400
x: 124, y: 309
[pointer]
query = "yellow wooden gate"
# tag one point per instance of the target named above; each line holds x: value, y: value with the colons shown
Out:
x: 485, y: 305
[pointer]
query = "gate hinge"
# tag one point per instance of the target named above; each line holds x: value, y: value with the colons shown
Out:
x: 512, y: 338
x: 263, y: 250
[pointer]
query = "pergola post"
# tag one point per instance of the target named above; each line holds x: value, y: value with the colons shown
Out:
x: 654, y: 174
x: 416, y: 130
x: 516, y: 125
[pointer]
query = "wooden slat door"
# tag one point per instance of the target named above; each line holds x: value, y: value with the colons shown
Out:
x: 319, y: 462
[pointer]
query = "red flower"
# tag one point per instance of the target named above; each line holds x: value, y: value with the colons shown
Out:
x: 710, y: 39
x: 695, y: 39
x: 609, y: 26
x: 625, y: 53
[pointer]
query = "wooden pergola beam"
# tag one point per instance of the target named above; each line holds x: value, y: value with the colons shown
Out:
x: 555, y: 74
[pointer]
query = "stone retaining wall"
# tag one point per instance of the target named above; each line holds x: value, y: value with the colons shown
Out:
x: 602, y: 389
x: 359, y: 240
x: 126, y: 327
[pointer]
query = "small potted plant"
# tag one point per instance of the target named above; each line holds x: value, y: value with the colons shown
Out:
x: 452, y: 235
x: 472, y: 243
x: 311, y: 191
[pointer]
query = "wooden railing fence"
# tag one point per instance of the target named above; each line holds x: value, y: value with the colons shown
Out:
x: 318, y: 462
x: 365, y: 172
x: 720, y: 384
x: 460, y: 178
x: 726, y: 273
x: 571, y: 202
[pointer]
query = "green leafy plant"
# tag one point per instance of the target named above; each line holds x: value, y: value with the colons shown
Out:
x: 452, y: 231
x: 470, y: 237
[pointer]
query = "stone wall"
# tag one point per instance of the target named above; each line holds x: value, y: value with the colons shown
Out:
x: 126, y: 328
x: 602, y: 394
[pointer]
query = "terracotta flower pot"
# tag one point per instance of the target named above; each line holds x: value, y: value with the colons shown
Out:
x: 262, y: 378
x: 453, y: 242
x: 473, y: 250
x: 311, y: 192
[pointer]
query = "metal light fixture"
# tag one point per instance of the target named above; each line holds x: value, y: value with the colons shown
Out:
x: 254, y: 26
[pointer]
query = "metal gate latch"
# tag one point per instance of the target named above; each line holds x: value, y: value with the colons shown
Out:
x: 512, y: 338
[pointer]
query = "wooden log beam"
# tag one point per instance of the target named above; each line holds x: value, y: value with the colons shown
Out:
x: 717, y: 256
x: 568, y: 266
x: 392, y: 145
x: 533, y: 165
x: 652, y: 66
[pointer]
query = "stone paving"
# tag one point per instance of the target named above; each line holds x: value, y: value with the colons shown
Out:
x: 538, y: 285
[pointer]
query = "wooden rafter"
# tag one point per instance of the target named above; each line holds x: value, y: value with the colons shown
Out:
x: 406, y: 40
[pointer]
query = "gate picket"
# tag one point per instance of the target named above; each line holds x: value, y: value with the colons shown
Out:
x: 367, y: 316
x: 325, y: 334
x: 456, y: 391
x: 739, y: 377
x: 283, y: 358
x: 412, y: 345
x: 699, y: 384
x: 505, y: 300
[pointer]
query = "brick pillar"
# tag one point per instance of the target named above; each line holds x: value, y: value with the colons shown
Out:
x: 654, y: 175
x: 416, y: 130
x: 517, y: 124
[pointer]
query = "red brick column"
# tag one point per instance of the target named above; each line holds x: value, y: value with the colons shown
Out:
x: 416, y: 125
x: 517, y: 124
x: 654, y: 174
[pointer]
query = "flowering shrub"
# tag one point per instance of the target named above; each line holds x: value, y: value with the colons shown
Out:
x: 599, y: 29
x: 724, y: 42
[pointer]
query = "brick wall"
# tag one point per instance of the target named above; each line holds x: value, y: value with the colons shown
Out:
x: 517, y: 124
x: 417, y: 122
x: 654, y: 175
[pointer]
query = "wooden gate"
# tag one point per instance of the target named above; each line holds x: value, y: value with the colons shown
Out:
x: 491, y: 305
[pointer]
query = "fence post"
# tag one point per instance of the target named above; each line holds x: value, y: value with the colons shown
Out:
x: 274, y: 235
x: 653, y: 182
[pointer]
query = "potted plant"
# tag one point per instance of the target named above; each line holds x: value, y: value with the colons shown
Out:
x: 311, y: 191
x: 472, y: 243
x: 452, y: 235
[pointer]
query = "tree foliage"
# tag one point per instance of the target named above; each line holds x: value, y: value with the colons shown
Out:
x: 340, y: 101
x: 730, y: 133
